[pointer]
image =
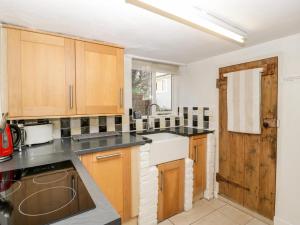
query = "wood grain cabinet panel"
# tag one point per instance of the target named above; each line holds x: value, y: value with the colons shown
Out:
x: 53, y: 76
x: 198, y: 148
x: 171, y: 189
x: 99, y: 79
x: 112, y: 173
x: 41, y: 74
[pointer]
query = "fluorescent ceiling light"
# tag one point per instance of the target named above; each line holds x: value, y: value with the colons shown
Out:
x: 188, y: 13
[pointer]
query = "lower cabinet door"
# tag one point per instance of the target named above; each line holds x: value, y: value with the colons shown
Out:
x: 171, y: 189
x: 198, y: 154
x: 111, y: 172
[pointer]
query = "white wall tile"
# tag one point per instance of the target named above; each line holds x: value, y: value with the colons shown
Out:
x: 110, y: 123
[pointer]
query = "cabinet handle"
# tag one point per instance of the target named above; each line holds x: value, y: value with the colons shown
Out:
x: 195, y: 154
x: 108, y: 156
x: 121, y: 97
x: 161, y: 181
x: 71, y: 96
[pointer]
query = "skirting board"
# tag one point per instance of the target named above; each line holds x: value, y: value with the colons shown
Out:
x: 278, y: 221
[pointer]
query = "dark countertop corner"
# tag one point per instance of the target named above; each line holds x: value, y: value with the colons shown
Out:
x: 183, y: 131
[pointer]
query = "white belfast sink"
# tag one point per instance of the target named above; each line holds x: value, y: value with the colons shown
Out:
x: 166, y: 147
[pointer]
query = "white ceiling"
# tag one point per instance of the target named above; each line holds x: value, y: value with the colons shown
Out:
x: 149, y: 35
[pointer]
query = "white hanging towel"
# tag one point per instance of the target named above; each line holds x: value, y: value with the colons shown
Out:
x: 244, y: 101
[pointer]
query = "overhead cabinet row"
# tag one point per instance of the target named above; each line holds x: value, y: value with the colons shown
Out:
x: 56, y: 76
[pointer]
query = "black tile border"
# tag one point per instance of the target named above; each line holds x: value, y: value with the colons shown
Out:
x: 85, y: 130
x: 118, y: 119
x: 198, y: 118
x: 157, y: 123
x: 84, y: 122
x: 65, y: 123
x: 102, y: 128
x: 65, y: 133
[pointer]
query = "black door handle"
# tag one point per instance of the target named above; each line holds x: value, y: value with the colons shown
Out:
x: 266, y: 124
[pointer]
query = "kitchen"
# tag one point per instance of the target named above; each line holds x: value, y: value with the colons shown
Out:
x: 106, y: 122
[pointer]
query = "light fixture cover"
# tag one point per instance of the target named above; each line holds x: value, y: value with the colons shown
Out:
x: 188, y: 13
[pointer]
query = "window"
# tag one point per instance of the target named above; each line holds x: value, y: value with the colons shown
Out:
x: 151, y: 83
x: 141, y: 91
x: 164, y: 91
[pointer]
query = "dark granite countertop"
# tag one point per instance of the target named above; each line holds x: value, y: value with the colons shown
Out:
x: 67, y: 149
x: 183, y: 131
x: 105, y: 143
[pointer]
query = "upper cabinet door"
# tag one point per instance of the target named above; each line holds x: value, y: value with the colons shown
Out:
x: 99, y: 79
x: 41, y: 74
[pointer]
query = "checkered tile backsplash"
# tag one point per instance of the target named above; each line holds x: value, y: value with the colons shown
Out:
x: 198, y: 117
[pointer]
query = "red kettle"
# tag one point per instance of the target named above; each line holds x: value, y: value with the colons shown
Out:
x: 6, y: 144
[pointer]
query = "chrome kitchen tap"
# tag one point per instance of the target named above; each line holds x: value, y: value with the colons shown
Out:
x: 148, y: 112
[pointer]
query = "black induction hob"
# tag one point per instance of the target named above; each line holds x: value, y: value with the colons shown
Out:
x: 42, y: 194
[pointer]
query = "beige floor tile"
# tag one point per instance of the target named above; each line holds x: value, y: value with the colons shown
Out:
x: 132, y: 222
x: 235, y: 215
x: 215, y: 218
x: 166, y: 222
x: 199, y: 210
x: 216, y: 203
x: 256, y: 222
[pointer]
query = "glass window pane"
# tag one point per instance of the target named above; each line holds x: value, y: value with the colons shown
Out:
x: 141, y: 91
x: 164, y: 91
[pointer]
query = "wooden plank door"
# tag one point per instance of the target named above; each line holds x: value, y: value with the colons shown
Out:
x: 198, y: 154
x: 247, y: 162
x: 41, y: 74
x: 99, y: 79
x: 171, y: 189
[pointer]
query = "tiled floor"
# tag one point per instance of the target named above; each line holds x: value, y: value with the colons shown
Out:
x: 214, y: 212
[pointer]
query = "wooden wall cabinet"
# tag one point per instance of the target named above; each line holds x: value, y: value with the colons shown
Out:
x: 198, y: 148
x: 41, y: 74
x: 111, y: 171
x: 99, y: 79
x: 3, y: 73
x: 171, y: 189
x: 53, y: 76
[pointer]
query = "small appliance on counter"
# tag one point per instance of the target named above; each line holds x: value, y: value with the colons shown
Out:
x: 6, y: 144
x: 16, y: 134
x: 38, y: 133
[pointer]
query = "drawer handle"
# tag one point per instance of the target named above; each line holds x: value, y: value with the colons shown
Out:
x: 121, y: 97
x: 71, y: 96
x: 195, y: 154
x: 161, y: 181
x: 108, y: 156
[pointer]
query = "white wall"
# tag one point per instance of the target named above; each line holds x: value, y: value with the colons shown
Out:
x: 198, y: 87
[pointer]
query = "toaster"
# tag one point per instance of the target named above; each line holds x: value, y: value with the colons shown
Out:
x: 38, y: 133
